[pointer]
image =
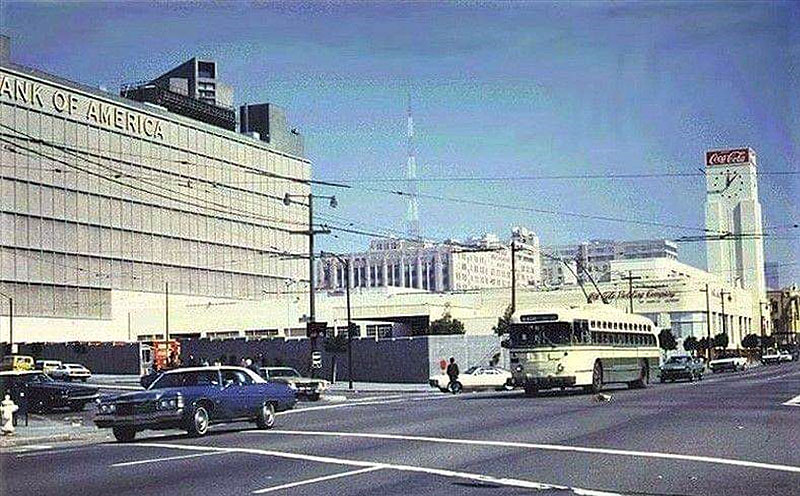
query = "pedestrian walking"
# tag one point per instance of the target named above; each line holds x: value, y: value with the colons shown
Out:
x: 452, y: 372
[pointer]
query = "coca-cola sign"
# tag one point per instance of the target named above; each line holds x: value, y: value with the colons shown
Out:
x: 728, y: 157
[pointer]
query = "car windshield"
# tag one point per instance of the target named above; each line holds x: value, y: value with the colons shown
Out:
x: 541, y: 335
x: 283, y: 373
x: 187, y: 379
x: 471, y: 370
x: 36, y: 378
x: 680, y: 359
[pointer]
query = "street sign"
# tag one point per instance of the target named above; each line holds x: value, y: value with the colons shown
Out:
x: 316, y: 329
x: 316, y: 360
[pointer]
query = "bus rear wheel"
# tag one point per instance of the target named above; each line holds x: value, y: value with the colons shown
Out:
x: 597, y: 378
x: 644, y: 377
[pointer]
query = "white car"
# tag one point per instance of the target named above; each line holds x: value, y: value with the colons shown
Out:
x: 733, y: 363
x: 71, y: 372
x: 473, y: 379
x: 47, y: 366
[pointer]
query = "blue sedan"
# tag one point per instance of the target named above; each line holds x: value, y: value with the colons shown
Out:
x: 194, y: 398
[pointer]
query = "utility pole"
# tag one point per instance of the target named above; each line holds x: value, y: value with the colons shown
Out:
x: 10, y: 322
x: 287, y: 200
x: 724, y: 323
x: 630, y: 279
x: 346, y: 264
x: 513, y: 276
x: 708, y: 322
x: 166, y: 312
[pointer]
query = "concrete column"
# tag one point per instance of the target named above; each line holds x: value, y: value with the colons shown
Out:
x: 350, y: 273
x: 402, y: 272
x: 439, y: 272
x: 419, y: 271
x: 385, y: 273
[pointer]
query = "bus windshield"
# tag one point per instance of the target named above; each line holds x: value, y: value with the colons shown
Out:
x: 541, y: 335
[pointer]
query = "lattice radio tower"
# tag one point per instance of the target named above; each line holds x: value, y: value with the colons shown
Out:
x: 412, y: 185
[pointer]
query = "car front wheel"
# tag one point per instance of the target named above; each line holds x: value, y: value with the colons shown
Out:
x: 198, y: 421
x: 124, y: 434
x: 266, y: 416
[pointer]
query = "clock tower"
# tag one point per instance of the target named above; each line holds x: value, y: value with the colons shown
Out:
x: 734, y: 212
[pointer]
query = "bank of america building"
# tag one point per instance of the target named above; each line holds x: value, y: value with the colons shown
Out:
x: 108, y: 204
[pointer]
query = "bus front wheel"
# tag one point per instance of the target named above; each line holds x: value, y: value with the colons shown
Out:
x: 597, y: 378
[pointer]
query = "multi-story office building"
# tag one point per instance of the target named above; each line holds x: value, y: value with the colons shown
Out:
x: 475, y: 264
x: 568, y: 264
x: 785, y: 315
x: 192, y: 90
x: 107, y: 203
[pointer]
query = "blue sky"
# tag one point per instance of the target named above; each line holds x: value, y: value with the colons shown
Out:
x: 519, y: 89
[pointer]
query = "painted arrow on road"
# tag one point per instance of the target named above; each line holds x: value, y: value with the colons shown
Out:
x: 793, y: 402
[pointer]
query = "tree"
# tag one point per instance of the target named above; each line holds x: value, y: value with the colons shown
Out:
x: 666, y: 340
x: 721, y: 340
x: 504, y: 322
x: 702, y: 345
x: 445, y: 326
x: 690, y: 343
x: 769, y: 341
x: 335, y: 345
x: 751, y: 341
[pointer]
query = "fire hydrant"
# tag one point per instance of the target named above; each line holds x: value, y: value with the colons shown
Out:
x: 7, y: 410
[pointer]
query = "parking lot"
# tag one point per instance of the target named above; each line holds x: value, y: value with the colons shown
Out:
x: 732, y: 433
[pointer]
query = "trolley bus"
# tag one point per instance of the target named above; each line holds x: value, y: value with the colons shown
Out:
x: 586, y: 346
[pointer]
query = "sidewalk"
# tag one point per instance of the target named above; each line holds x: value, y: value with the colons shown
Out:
x: 42, y: 430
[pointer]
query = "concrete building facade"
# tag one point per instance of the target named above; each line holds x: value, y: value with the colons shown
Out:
x: 595, y: 256
x: 107, y: 205
x: 784, y: 307
x: 477, y: 263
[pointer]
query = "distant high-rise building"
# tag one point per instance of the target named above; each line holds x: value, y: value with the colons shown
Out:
x: 192, y: 89
x: 772, y: 275
x: 734, y: 213
x: 595, y: 256
x: 270, y: 123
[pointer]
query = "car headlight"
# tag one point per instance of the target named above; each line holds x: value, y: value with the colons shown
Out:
x: 292, y: 386
x: 107, y: 408
x: 170, y: 403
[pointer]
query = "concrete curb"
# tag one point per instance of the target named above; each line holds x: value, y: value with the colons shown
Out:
x: 17, y: 441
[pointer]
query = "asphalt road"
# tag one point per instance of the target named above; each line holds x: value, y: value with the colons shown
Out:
x: 729, y: 435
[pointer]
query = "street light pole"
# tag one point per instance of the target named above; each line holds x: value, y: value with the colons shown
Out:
x: 346, y: 264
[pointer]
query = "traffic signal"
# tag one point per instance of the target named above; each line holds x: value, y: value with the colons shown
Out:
x: 316, y: 329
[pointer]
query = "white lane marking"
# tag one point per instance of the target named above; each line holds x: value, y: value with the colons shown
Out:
x: 358, y: 463
x: 50, y: 450
x: 318, y: 479
x: 30, y: 447
x: 338, y: 405
x: 164, y: 459
x: 793, y: 402
x: 549, y: 447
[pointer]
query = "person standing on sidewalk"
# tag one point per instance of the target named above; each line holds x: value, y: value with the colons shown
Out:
x: 452, y: 373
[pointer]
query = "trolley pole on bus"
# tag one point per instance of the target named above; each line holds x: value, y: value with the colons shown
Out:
x: 513, y: 276
x: 630, y: 280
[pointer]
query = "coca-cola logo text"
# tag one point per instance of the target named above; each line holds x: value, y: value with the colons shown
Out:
x: 725, y: 157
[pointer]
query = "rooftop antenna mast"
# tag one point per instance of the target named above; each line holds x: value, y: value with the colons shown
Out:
x: 412, y: 186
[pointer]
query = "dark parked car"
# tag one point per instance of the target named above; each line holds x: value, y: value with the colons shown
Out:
x: 682, y: 367
x: 194, y: 398
x: 37, y: 391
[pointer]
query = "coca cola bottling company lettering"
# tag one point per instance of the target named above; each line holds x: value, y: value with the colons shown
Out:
x: 728, y: 157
